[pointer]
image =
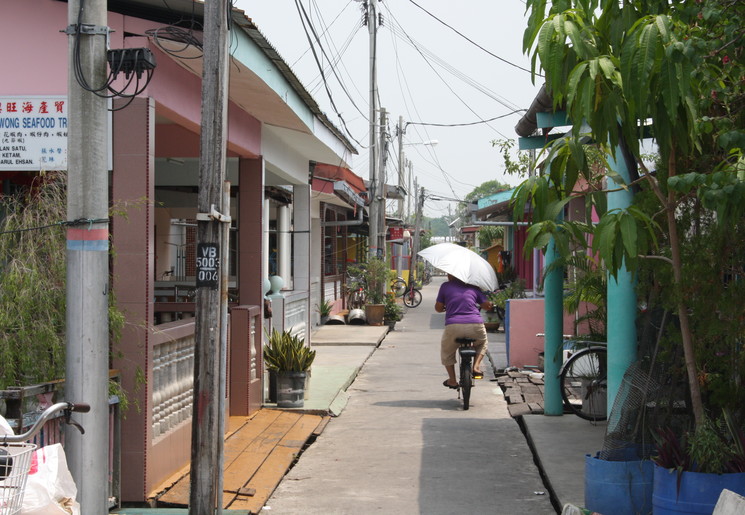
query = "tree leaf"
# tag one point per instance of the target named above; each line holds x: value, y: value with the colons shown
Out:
x: 628, y: 233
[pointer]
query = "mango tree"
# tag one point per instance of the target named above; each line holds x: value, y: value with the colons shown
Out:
x: 619, y: 69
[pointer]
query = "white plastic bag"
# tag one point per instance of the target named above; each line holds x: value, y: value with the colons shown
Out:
x: 50, y: 489
x: 5, y: 428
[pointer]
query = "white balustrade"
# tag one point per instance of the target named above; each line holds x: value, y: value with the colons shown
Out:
x: 173, y: 381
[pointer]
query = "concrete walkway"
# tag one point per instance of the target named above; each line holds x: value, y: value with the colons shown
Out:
x: 403, y: 444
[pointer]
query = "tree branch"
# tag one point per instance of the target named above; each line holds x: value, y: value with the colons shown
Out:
x: 661, y: 258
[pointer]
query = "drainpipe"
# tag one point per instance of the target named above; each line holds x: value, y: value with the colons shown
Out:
x: 342, y: 223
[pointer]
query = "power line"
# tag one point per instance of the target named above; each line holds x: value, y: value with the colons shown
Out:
x: 416, y: 47
x: 305, y: 18
x: 473, y: 42
x: 468, y: 123
x: 301, y: 10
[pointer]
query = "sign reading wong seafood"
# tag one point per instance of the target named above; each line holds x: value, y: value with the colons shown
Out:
x: 33, y: 133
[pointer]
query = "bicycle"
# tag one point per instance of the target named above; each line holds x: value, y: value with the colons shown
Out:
x: 412, y: 297
x: 15, y: 455
x: 357, y: 297
x: 398, y: 286
x: 467, y: 354
x: 584, y: 381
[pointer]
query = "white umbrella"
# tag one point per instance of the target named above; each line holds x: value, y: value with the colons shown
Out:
x: 462, y: 263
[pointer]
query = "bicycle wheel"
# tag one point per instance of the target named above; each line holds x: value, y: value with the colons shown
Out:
x: 412, y: 298
x: 584, y: 384
x: 398, y: 287
x: 466, y: 381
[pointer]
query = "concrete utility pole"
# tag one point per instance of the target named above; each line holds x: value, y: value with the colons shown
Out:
x: 372, y: 27
x: 411, y: 192
x: 383, y: 154
x: 209, y: 358
x: 417, y: 224
x: 87, y: 362
x: 401, y: 166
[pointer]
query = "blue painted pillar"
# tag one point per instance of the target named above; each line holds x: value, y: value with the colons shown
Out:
x: 621, y: 328
x: 553, y: 289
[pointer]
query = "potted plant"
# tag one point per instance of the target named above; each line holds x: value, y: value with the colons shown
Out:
x: 324, y: 310
x: 692, y: 470
x: 377, y: 276
x: 499, y: 298
x: 393, y: 311
x: 290, y: 359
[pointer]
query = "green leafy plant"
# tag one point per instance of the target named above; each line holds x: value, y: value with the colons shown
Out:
x: 514, y: 290
x: 614, y: 67
x: 377, y: 276
x: 32, y: 287
x: 287, y: 353
x: 714, y: 447
x: 324, y: 308
x: 393, y: 310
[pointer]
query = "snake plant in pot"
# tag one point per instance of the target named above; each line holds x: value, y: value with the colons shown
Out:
x: 290, y: 359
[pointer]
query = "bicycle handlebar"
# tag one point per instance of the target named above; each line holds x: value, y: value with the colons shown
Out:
x: 67, y: 407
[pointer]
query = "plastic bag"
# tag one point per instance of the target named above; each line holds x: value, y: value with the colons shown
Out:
x: 5, y: 428
x: 50, y: 488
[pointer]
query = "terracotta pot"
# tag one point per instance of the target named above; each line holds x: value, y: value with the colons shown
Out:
x: 375, y: 313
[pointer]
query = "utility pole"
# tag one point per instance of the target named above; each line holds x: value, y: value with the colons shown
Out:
x: 401, y: 166
x: 412, y: 192
x: 372, y: 27
x: 382, y: 230
x: 87, y: 344
x: 209, y: 355
x: 417, y: 224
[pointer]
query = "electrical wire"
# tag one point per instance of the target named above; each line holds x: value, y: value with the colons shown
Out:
x: 428, y: 55
x: 323, y: 51
x: 114, y: 70
x: 66, y: 223
x: 473, y: 42
x: 468, y: 123
x: 301, y: 10
x: 402, y: 79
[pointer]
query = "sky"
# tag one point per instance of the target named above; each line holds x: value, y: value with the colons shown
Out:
x: 429, y: 73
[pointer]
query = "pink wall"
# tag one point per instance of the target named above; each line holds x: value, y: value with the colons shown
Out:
x: 40, y: 67
x: 526, y: 319
x: 35, y: 63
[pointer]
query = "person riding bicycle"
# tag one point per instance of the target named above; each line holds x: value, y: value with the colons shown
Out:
x: 461, y: 303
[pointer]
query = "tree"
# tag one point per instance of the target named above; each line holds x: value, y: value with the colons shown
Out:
x: 613, y: 66
x: 484, y: 190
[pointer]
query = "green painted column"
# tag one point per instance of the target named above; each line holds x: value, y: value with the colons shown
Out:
x: 621, y: 328
x: 553, y: 288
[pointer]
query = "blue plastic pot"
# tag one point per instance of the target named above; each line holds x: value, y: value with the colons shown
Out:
x: 618, y: 487
x: 698, y: 492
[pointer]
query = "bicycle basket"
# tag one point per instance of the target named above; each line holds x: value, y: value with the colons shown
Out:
x: 14, y: 468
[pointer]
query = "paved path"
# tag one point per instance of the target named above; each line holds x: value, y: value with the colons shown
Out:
x: 403, y: 445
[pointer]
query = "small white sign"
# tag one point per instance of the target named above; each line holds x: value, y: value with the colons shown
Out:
x: 33, y: 133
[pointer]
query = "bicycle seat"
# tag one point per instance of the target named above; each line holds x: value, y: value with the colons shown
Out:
x: 465, y: 341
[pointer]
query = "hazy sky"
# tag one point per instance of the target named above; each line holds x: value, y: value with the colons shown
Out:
x: 427, y: 73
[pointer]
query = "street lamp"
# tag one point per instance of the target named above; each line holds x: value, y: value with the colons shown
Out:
x: 431, y: 142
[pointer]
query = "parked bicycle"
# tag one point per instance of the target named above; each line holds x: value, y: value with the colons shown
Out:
x: 356, y: 286
x: 584, y: 381
x: 398, y: 286
x: 412, y: 297
x: 466, y: 354
x: 15, y: 455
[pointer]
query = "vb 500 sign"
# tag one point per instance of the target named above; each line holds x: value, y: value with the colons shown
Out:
x: 208, y: 265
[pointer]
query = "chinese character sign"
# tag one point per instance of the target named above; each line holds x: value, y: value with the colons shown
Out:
x: 33, y: 133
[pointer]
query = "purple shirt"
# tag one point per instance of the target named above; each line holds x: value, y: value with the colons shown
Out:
x: 462, y: 302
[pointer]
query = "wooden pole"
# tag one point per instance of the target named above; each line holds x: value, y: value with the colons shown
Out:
x: 206, y: 459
